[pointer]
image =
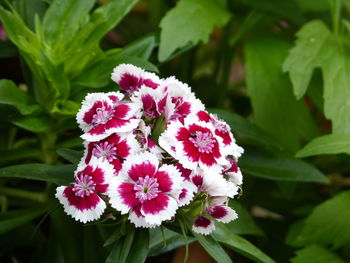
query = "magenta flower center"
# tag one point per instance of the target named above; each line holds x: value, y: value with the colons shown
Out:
x: 83, y: 185
x: 146, y: 188
x: 105, y: 151
x: 102, y: 115
x: 203, y: 141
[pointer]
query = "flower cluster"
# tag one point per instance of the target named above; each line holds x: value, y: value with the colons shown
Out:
x: 151, y: 150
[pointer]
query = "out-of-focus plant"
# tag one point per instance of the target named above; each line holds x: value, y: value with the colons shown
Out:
x: 275, y: 71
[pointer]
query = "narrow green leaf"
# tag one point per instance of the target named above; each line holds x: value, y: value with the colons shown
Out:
x: 280, y: 168
x: 141, y: 48
x: 34, y: 123
x: 239, y: 244
x: 113, y: 257
x: 58, y: 174
x: 316, y: 254
x: 328, y: 224
x: 128, y: 242
x: 270, y: 91
x: 18, y: 218
x: 140, y: 246
x: 11, y: 95
x: 190, y: 21
x: 116, y: 235
x: 213, y: 248
x: 70, y: 155
x: 327, y: 144
x: 315, y: 47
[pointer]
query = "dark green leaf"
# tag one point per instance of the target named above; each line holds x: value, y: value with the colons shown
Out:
x: 70, y: 155
x: 270, y: 92
x: 328, y: 224
x: 17, y: 218
x: 11, y: 95
x: 213, y: 248
x: 239, y: 244
x: 327, y: 144
x: 190, y: 21
x: 116, y: 235
x: 280, y: 168
x: 316, y: 254
x: 140, y: 246
x: 58, y: 174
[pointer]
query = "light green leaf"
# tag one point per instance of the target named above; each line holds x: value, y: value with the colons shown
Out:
x: 239, y: 244
x: 11, y: 95
x: 328, y: 224
x: 213, y: 248
x: 327, y: 144
x: 141, y: 48
x: 14, y: 219
x: 316, y: 47
x: 63, y: 19
x: 190, y: 21
x: 58, y: 174
x: 316, y: 254
x: 313, y: 5
x: 270, y: 91
x: 280, y: 168
x: 34, y: 123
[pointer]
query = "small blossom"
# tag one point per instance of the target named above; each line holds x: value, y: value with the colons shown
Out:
x: 203, y: 225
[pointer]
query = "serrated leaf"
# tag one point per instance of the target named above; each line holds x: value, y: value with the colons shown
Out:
x: 11, y: 95
x: 270, y: 91
x: 239, y: 244
x: 190, y: 21
x: 58, y: 174
x: 327, y: 144
x: 280, y: 168
x: 213, y: 248
x: 316, y: 47
x: 316, y: 254
x: 328, y: 224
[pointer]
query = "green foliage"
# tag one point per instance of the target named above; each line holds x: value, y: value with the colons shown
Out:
x: 192, y: 21
x: 316, y: 254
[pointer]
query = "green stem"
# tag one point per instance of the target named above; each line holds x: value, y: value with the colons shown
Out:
x: 48, y: 141
x: 335, y: 7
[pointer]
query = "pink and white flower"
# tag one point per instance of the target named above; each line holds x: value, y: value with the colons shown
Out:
x: 224, y: 214
x: 194, y: 144
x: 114, y: 149
x: 82, y: 200
x: 233, y: 172
x: 131, y: 78
x: 203, y: 225
x: 103, y: 114
x: 145, y: 190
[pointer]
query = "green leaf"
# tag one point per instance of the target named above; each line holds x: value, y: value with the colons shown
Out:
x: 116, y: 235
x: 14, y: 219
x: 239, y: 244
x: 248, y: 132
x: 284, y: 9
x: 316, y: 47
x: 313, y: 5
x: 270, y: 91
x: 280, y: 168
x: 113, y: 257
x: 327, y: 144
x: 11, y: 95
x: 63, y: 19
x: 328, y: 224
x: 34, y: 123
x: 58, y: 174
x: 141, y: 48
x: 140, y: 246
x: 213, y: 248
x: 316, y: 254
x: 121, y: 249
x: 190, y: 21
x: 70, y: 155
